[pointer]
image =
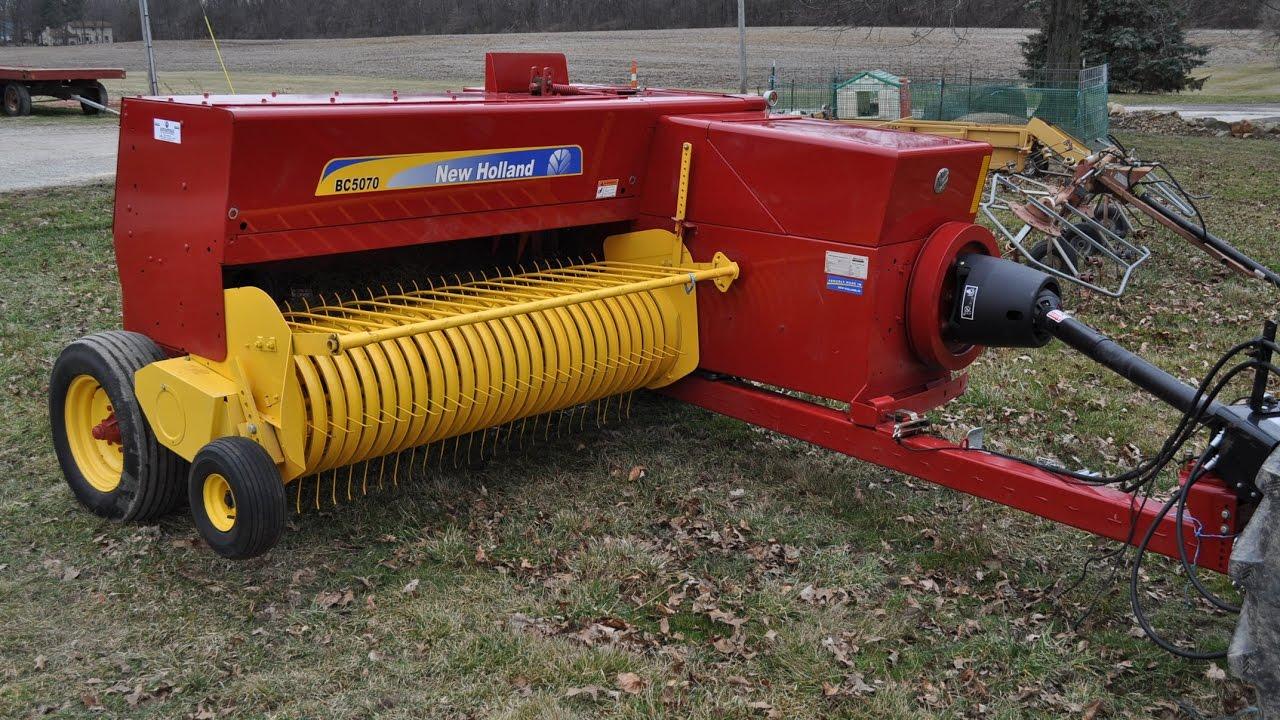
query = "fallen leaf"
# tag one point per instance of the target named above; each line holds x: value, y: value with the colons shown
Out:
x: 1215, y: 673
x: 637, y: 472
x: 331, y: 598
x: 136, y: 697
x: 411, y: 587
x: 631, y: 683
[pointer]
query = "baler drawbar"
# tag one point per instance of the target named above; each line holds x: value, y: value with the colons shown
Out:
x: 320, y: 292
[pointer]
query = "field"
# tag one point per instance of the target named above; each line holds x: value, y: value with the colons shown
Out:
x: 676, y: 564
x: 704, y: 58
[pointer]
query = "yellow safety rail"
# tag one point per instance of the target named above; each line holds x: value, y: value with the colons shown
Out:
x: 587, y: 283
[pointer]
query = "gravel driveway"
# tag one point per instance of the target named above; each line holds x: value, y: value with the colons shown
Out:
x: 37, y: 152
x: 1226, y: 113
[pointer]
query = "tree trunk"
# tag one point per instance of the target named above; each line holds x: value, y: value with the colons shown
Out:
x: 1063, y: 34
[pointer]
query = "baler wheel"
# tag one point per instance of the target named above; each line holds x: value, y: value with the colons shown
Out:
x: 237, y: 498
x: 107, y: 451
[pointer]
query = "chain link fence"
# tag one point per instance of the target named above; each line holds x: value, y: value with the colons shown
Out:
x: 1075, y: 100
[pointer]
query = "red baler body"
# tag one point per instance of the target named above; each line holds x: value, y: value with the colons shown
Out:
x: 827, y: 221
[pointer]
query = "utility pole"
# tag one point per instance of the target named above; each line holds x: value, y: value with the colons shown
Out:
x: 145, y: 14
x: 742, y: 46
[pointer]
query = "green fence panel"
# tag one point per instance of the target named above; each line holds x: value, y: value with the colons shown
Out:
x: 1075, y: 100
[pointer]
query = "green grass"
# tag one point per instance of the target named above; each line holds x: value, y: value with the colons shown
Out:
x: 1224, y: 85
x: 943, y: 604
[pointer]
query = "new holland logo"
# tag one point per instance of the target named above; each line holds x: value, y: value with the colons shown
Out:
x: 343, y: 176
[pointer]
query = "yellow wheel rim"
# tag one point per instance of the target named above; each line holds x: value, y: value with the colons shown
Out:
x: 219, y: 502
x: 101, y: 462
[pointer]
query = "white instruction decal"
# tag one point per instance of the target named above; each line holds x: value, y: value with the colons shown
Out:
x: 169, y: 131
x: 969, y: 302
x: 606, y: 189
x: 846, y: 265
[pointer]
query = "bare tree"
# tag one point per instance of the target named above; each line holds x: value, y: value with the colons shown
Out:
x: 178, y: 19
x: 1271, y: 23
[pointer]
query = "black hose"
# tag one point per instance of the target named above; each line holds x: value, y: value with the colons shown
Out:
x: 1144, y: 470
x: 1140, y: 615
x: 1197, y: 471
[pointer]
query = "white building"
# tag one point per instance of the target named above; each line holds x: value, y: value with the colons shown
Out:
x: 78, y: 32
x: 873, y: 95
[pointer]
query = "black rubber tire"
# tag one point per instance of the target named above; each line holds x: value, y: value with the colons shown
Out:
x: 96, y: 92
x: 151, y: 482
x: 1113, y: 219
x: 15, y: 100
x: 1040, y: 252
x: 259, y: 497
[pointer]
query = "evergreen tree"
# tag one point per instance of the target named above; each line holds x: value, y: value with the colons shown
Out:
x: 56, y: 13
x: 1143, y: 40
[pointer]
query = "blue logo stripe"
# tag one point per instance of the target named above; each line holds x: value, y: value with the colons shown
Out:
x: 336, y: 165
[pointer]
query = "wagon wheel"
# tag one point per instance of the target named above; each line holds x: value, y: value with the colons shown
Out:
x: 108, y: 453
x: 1068, y: 252
x: 16, y: 100
x: 96, y: 92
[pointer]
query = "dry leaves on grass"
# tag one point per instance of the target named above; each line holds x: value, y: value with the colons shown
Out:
x: 631, y: 683
x: 853, y: 685
x: 328, y: 599
x: 60, y: 570
x: 767, y: 709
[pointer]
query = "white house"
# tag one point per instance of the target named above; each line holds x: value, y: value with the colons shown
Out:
x: 78, y: 32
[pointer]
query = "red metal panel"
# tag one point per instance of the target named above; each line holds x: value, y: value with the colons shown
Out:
x: 780, y: 196
x: 510, y: 72
x: 170, y: 217
x: 830, y: 181
x: 242, y: 184
x: 60, y: 74
x: 781, y: 324
x: 280, y: 153
x: 1099, y: 510
x: 287, y: 244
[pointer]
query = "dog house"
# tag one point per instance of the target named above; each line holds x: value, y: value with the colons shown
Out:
x: 872, y: 94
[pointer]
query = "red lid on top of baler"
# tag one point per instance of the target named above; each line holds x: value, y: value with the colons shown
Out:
x: 822, y: 131
x: 818, y: 179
